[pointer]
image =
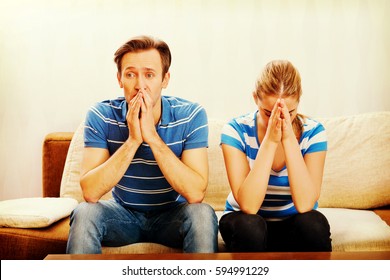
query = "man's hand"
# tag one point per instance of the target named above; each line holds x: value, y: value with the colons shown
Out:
x: 132, y: 119
x: 147, y: 124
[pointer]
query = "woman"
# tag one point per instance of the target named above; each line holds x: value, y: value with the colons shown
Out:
x: 274, y: 159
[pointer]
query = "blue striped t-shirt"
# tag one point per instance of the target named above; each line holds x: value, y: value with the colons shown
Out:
x: 241, y: 133
x: 183, y: 126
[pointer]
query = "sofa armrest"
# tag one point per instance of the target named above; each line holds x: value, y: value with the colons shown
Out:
x: 55, y: 149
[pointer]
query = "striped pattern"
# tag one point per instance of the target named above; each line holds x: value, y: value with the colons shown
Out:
x: 183, y: 126
x: 241, y: 133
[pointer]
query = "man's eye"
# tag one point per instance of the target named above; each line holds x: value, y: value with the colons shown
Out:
x: 149, y: 75
x: 130, y: 75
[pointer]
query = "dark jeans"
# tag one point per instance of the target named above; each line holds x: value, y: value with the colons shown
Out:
x: 306, y: 232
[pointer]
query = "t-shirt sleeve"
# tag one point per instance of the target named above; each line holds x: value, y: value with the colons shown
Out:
x: 317, y: 141
x: 95, y: 128
x: 231, y: 136
x: 198, y: 130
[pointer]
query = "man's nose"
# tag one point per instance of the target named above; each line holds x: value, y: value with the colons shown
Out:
x: 141, y: 84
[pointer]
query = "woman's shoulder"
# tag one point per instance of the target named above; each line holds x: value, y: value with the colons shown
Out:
x: 243, y: 122
x: 311, y: 128
x: 311, y: 124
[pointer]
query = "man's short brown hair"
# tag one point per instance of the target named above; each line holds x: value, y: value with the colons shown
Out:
x: 141, y: 43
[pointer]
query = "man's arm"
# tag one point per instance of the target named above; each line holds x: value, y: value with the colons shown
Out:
x: 188, y: 176
x: 100, y: 172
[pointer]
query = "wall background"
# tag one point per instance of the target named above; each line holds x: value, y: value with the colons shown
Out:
x: 56, y: 60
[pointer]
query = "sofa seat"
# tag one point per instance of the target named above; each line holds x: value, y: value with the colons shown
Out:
x: 24, y: 243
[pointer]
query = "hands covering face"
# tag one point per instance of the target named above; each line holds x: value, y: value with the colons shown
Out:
x: 280, y: 124
x: 140, y: 118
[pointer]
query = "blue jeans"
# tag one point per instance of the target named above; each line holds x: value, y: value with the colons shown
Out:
x: 193, y: 227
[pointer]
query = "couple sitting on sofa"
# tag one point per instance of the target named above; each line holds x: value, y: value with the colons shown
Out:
x: 151, y: 151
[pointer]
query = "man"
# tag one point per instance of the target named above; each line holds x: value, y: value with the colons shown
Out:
x: 151, y: 151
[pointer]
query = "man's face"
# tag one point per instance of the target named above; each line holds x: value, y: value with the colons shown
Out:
x: 142, y: 71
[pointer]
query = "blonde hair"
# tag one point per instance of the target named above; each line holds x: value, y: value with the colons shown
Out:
x: 280, y: 78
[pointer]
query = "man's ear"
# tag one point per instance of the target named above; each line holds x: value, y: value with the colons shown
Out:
x: 165, y: 81
x: 118, y: 76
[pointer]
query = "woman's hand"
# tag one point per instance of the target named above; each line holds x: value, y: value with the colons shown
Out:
x: 287, y: 128
x: 274, y: 127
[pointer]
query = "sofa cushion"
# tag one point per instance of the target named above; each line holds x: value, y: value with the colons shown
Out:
x: 218, y: 188
x: 357, y: 230
x: 70, y: 183
x: 141, y: 248
x: 34, y: 212
x: 357, y: 163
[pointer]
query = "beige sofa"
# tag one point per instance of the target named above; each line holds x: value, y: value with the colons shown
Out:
x: 355, y: 194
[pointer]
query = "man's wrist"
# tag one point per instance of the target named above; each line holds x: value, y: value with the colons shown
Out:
x: 132, y: 143
x: 155, y: 140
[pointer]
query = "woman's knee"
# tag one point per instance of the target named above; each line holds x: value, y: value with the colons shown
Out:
x: 314, y: 229
x: 313, y: 222
x: 243, y: 222
x: 244, y: 232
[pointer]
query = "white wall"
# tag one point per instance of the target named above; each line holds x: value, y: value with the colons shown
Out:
x: 56, y: 60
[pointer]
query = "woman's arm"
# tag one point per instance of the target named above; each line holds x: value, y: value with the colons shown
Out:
x: 304, y: 174
x: 248, y: 185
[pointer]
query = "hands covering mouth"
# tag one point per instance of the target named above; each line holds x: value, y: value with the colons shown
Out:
x: 140, y: 119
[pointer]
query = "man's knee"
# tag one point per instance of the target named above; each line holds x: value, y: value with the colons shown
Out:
x: 85, y: 212
x: 202, y: 215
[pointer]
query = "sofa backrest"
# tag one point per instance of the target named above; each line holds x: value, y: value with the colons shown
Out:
x: 218, y: 188
x: 357, y: 165
x: 356, y: 170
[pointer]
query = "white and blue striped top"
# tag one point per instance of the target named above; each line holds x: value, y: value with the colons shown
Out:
x: 183, y: 126
x: 241, y: 133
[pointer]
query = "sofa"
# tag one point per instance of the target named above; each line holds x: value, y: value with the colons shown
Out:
x: 355, y: 194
